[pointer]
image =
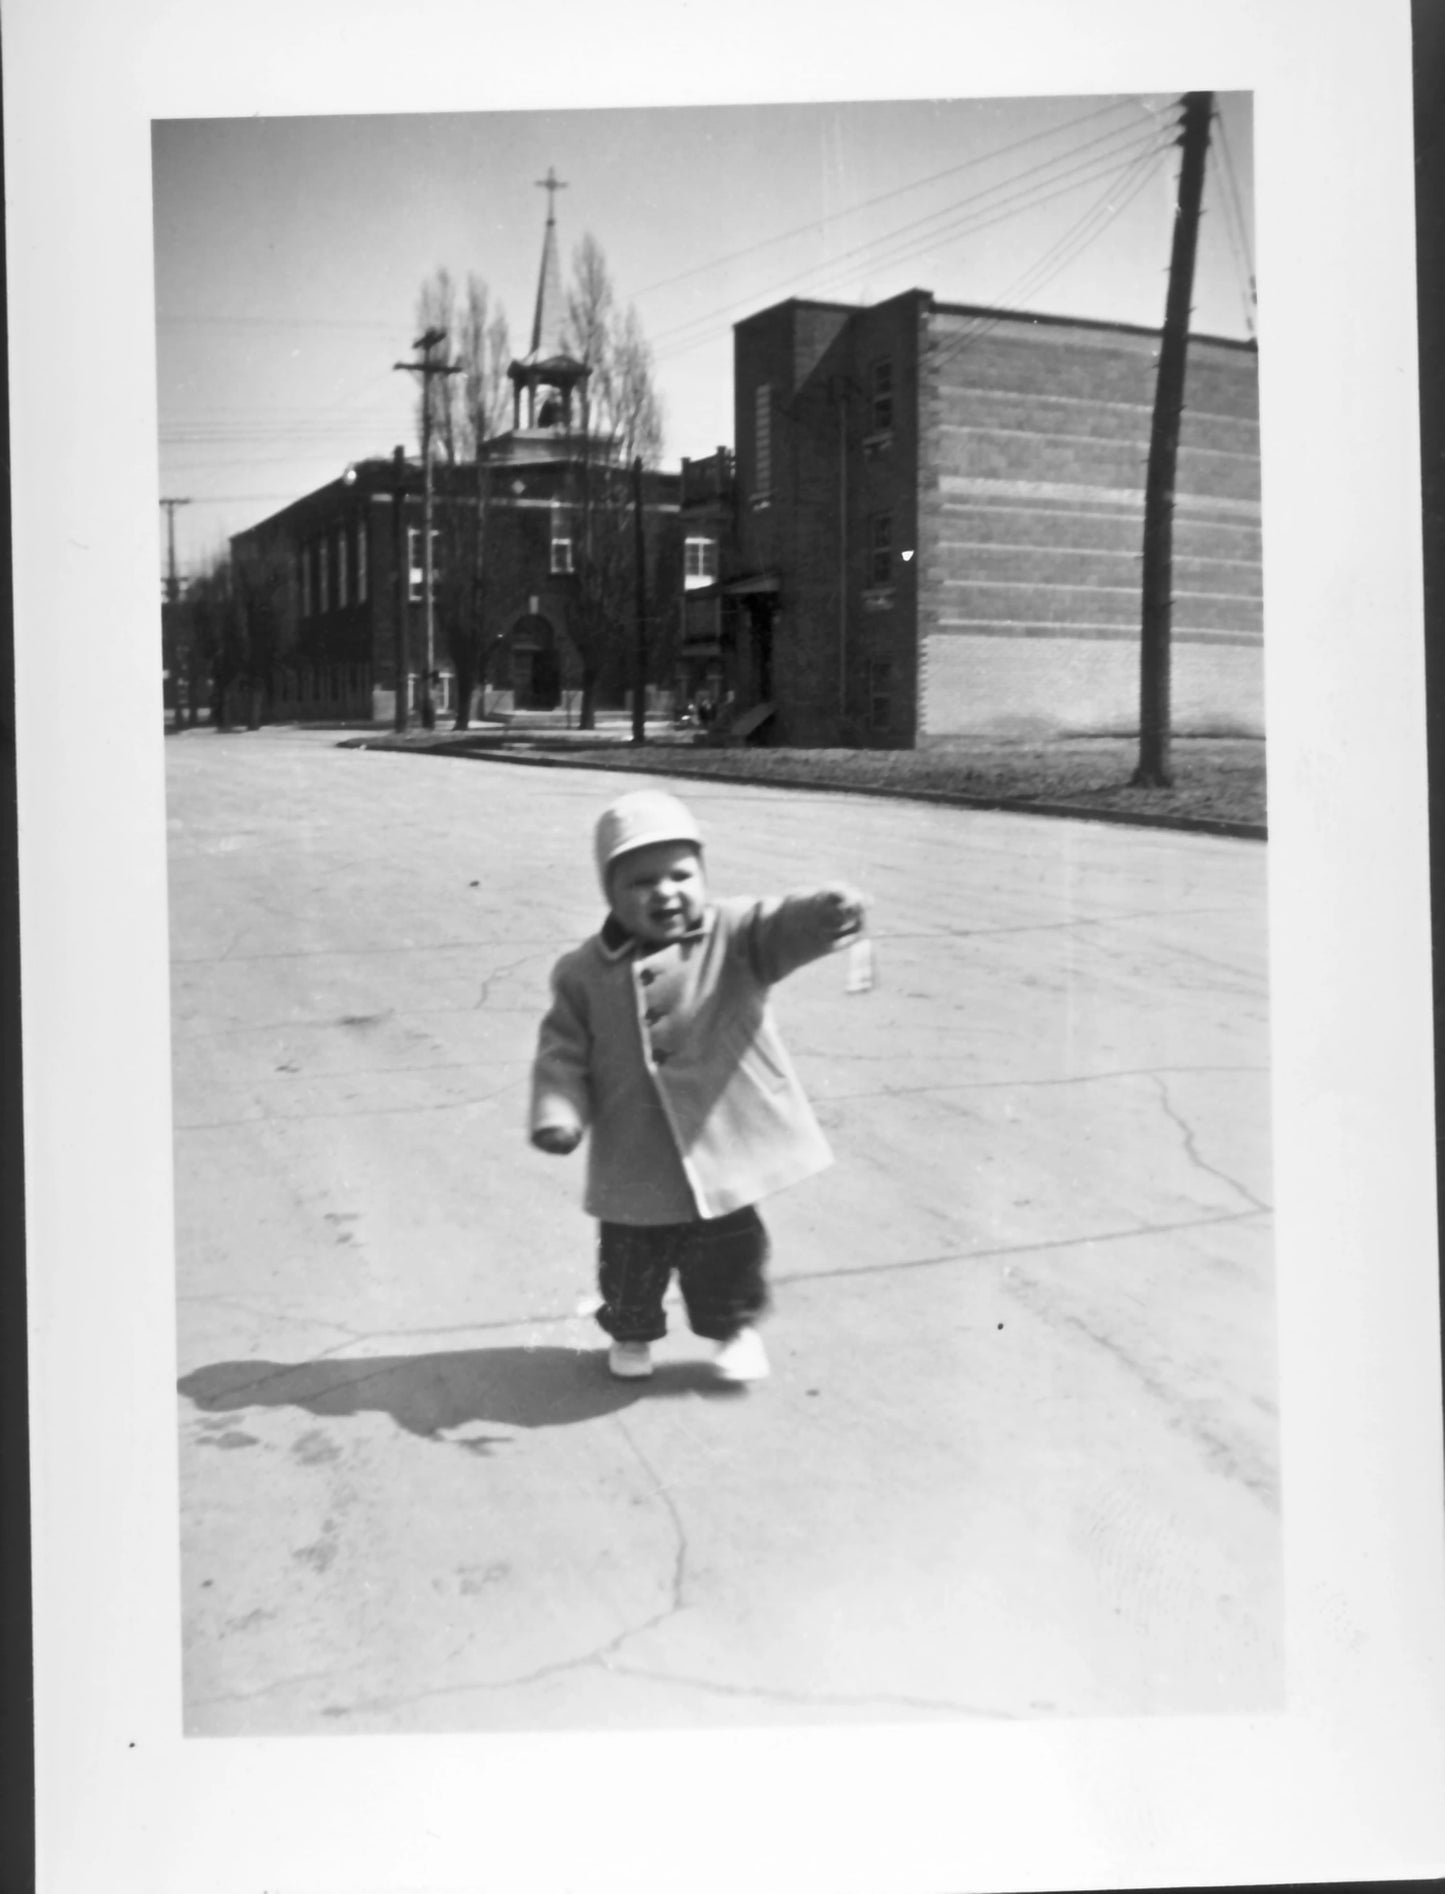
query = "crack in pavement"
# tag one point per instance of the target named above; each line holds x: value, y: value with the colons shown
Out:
x: 793, y: 1278
x: 1019, y: 1249
x: 1109, y: 919
x: 270, y: 1689
x: 200, y: 1035
x: 265, y: 1116
x: 602, y: 1658
x: 352, y: 952
x: 679, y: 1568
x: 500, y: 973
x: 336, y: 1075
x: 273, y: 1314
x: 1234, y: 1461
x: 769, y: 1694
x: 605, y: 1656
x: 1191, y: 1148
x: 1020, y: 1084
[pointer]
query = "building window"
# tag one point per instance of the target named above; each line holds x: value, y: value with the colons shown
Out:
x: 763, y: 441
x: 882, y: 396
x: 880, y: 694
x: 361, y: 563
x: 561, y: 553
x: 341, y: 562
x: 699, y: 561
x: 323, y: 576
x: 415, y: 576
x: 305, y: 581
x: 880, y: 550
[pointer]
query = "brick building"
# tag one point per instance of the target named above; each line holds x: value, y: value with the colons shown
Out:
x: 934, y: 528
x: 344, y: 565
x: 353, y: 551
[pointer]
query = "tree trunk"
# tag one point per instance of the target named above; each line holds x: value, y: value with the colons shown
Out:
x: 587, y: 710
x: 464, y: 663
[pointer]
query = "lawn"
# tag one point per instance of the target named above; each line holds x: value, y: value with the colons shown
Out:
x: 1216, y: 779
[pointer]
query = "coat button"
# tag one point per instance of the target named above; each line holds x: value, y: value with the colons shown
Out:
x: 652, y: 1015
x: 661, y: 1058
x: 647, y: 976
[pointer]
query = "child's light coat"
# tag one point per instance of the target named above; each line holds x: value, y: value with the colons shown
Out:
x: 672, y: 1061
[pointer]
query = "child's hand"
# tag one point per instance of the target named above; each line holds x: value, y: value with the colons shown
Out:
x: 844, y: 911
x: 557, y: 1140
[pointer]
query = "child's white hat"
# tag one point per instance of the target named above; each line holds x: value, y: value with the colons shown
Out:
x: 637, y: 821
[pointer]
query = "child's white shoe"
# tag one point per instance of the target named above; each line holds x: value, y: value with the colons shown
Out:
x: 630, y: 1361
x: 743, y: 1358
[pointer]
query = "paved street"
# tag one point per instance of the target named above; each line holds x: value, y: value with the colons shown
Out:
x: 1017, y: 1457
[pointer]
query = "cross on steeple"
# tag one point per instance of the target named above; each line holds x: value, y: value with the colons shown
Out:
x: 547, y: 368
x: 551, y: 184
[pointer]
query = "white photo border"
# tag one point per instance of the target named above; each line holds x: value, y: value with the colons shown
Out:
x: 1345, y: 1784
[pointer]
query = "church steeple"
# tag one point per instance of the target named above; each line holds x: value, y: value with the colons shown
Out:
x: 547, y: 321
x: 547, y: 370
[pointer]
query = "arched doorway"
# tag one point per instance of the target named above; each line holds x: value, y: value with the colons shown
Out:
x: 536, y: 664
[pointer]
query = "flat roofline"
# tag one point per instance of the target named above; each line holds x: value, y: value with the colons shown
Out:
x: 823, y: 302
x: 992, y: 313
x: 444, y: 491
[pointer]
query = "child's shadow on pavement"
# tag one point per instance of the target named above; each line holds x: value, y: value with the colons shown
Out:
x: 431, y: 1395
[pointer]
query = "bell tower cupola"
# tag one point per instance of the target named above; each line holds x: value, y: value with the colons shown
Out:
x: 545, y: 382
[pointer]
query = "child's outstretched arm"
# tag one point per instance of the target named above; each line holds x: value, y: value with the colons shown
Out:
x: 561, y: 1092
x: 787, y: 932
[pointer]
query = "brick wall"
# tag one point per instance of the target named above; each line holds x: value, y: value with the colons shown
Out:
x: 1033, y: 445
x: 1039, y: 686
x: 832, y: 628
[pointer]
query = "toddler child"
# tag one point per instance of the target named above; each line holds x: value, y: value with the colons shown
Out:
x: 660, y: 1042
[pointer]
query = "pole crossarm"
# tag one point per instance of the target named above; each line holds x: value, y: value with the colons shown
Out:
x: 173, y: 589
x: 429, y: 340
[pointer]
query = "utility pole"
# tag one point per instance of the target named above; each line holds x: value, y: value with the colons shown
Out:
x: 168, y: 618
x: 639, y: 668
x: 398, y: 543
x: 427, y: 369
x: 173, y: 584
x: 1154, y: 770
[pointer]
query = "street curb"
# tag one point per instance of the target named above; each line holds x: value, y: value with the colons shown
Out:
x: 947, y: 798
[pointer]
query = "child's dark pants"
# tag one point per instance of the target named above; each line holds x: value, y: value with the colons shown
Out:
x: 719, y: 1263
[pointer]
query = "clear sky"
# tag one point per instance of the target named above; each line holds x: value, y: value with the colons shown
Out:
x: 290, y: 251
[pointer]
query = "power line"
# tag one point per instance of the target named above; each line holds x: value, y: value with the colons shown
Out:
x: 1002, y: 214
x: 1087, y: 230
x: 954, y: 218
x: 1234, y: 207
x: 868, y: 203
x: 889, y: 251
x: 316, y: 437
x: 375, y: 325
x: 372, y: 324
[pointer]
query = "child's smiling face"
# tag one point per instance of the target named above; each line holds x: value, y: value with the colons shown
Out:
x: 658, y: 892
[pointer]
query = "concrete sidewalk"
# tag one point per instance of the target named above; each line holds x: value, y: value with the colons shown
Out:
x: 1017, y: 1457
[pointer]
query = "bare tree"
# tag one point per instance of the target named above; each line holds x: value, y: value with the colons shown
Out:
x: 484, y: 351
x: 468, y: 410
x: 621, y: 419
x: 436, y: 308
x: 213, y: 630
x: 263, y: 585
